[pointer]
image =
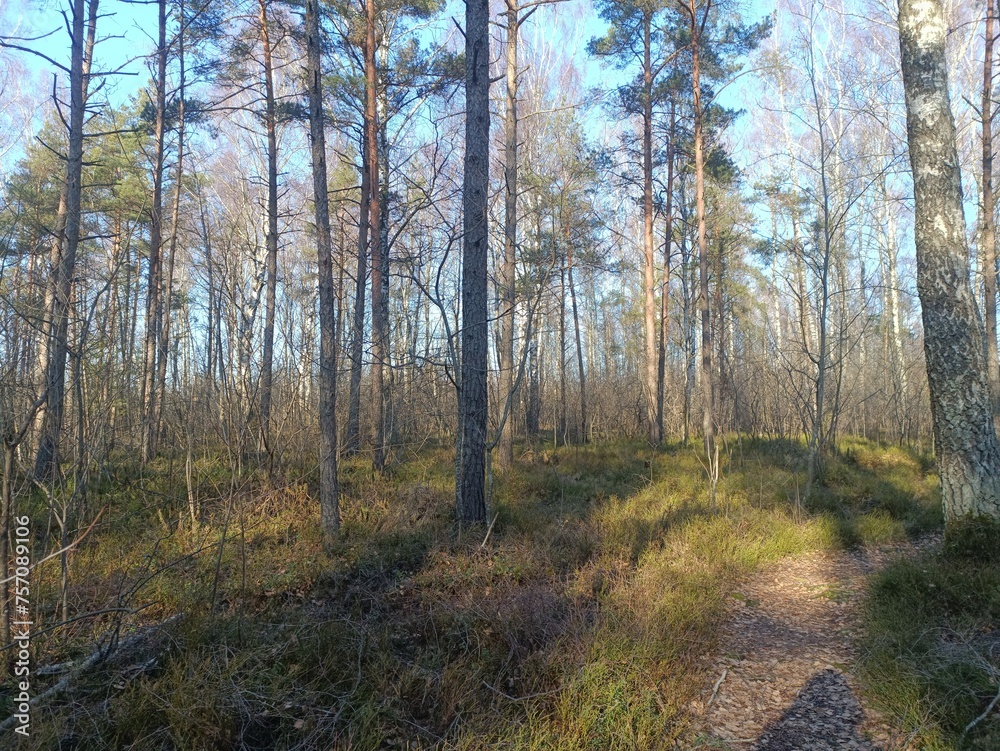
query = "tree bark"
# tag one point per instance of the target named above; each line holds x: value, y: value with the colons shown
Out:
x: 661, y: 370
x: 81, y: 52
x: 352, y: 442
x: 579, y: 346
x: 965, y: 441
x: 892, y: 305
x: 649, y: 269
x: 154, y: 289
x: 163, y: 344
x: 475, y: 239
x: 328, y: 489
x: 379, y: 344
x: 708, y: 395
x: 989, y: 223
x: 271, y: 261
x: 561, y: 422
x: 505, y: 455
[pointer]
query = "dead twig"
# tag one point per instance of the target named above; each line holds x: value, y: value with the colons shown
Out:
x: 489, y: 529
x: 718, y: 683
x: 984, y: 715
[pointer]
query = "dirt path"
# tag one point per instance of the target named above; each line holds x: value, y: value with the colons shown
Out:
x: 783, y: 673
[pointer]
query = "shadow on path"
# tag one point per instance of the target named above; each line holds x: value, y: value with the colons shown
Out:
x: 825, y: 716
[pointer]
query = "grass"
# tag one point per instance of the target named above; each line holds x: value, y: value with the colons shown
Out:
x: 932, y: 650
x: 580, y: 624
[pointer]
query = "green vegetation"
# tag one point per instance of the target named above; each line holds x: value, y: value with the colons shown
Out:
x: 579, y: 624
x: 932, y: 650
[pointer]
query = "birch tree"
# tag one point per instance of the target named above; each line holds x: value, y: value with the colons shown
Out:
x: 968, y: 453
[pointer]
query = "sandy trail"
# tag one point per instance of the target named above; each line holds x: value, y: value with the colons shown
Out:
x: 783, y: 677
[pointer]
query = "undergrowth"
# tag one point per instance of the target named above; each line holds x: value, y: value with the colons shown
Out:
x: 580, y: 623
x: 932, y: 649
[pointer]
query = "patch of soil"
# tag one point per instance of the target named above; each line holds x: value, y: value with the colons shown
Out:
x: 783, y: 673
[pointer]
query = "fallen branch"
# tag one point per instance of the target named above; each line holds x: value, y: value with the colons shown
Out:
x: 715, y: 688
x: 76, y: 669
x: 984, y: 715
x: 508, y: 697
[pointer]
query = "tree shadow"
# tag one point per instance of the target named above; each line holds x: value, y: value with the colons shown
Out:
x: 825, y: 716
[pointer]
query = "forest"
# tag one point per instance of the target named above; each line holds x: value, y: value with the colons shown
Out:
x: 527, y: 374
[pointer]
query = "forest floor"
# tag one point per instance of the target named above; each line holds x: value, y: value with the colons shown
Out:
x: 786, y: 664
x: 599, y: 613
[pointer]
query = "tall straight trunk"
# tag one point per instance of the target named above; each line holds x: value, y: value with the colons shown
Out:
x: 271, y: 261
x: 213, y: 341
x: 81, y: 53
x: 379, y: 348
x: 579, y: 346
x: 723, y: 396
x: 473, y: 401
x: 532, y: 407
x: 653, y: 420
x: 328, y: 501
x: 154, y: 289
x: 507, y: 271
x: 389, y: 374
x: 707, y: 395
x: 687, y: 313
x: 989, y: 223
x: 965, y: 441
x: 892, y: 305
x: 661, y: 370
x: 163, y: 343
x: 47, y: 331
x: 561, y: 422
x: 352, y: 441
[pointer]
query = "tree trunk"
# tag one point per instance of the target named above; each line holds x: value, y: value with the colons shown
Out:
x: 649, y: 275
x: 352, y: 441
x: 163, y: 344
x: 379, y: 348
x: 687, y: 314
x: 989, y: 224
x: 532, y: 407
x: 561, y: 422
x: 824, y: 244
x: 328, y: 501
x: 579, y: 345
x: 507, y: 273
x: 81, y: 51
x: 475, y: 239
x: 154, y: 289
x: 389, y: 374
x: 661, y: 370
x: 892, y: 305
x: 965, y: 441
x: 271, y: 262
x: 708, y: 396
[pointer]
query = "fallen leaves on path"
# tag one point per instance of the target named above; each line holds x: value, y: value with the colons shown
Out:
x: 782, y: 676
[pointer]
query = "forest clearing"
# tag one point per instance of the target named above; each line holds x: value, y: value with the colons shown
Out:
x: 532, y: 375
